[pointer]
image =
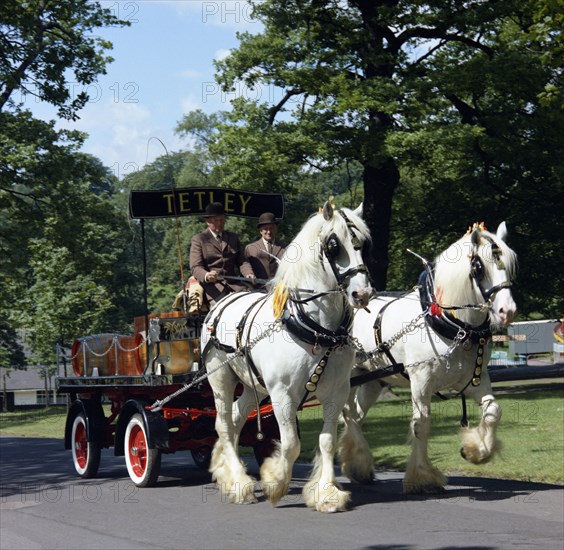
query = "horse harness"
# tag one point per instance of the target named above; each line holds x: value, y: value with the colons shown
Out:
x: 477, y: 269
x: 295, y: 318
x: 441, y: 322
x: 297, y: 322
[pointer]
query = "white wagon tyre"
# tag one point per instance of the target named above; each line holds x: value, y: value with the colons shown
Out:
x: 85, y: 454
x: 143, y: 464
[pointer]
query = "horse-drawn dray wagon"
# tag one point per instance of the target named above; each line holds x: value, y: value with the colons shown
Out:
x: 147, y: 395
x: 145, y: 406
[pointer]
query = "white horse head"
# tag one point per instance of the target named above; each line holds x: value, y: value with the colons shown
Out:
x: 478, y: 269
x: 333, y: 240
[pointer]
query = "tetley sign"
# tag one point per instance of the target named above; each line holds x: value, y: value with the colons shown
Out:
x: 192, y: 201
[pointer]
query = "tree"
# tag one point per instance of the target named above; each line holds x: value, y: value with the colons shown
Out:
x: 368, y: 82
x: 248, y: 158
x: 48, y: 49
x: 45, y: 42
x: 81, y: 277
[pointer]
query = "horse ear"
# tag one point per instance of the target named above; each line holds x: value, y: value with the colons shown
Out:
x: 328, y: 210
x: 475, y: 236
x: 501, y: 232
x: 359, y: 210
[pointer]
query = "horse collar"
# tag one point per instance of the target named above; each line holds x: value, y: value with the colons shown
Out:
x: 444, y: 323
x: 299, y: 324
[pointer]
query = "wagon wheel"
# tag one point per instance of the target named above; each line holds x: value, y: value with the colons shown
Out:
x: 85, y: 454
x: 143, y: 464
x: 202, y: 456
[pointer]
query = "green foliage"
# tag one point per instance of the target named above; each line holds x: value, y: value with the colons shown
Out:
x: 47, y: 44
x: 433, y: 114
x: 60, y: 237
x: 449, y: 109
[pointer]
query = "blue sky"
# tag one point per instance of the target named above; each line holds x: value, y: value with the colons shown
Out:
x: 163, y: 69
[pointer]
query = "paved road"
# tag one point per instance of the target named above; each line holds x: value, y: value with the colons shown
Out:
x: 44, y: 505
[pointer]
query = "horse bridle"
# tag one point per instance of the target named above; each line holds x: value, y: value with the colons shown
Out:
x: 477, y: 269
x: 331, y: 247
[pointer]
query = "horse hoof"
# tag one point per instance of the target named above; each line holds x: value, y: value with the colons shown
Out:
x: 475, y: 456
x: 332, y: 507
x: 328, y: 509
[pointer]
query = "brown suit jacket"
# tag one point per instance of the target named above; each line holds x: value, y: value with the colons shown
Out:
x: 264, y: 266
x: 208, y: 254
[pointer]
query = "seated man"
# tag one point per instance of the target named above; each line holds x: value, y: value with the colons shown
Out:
x: 215, y: 253
x: 263, y: 255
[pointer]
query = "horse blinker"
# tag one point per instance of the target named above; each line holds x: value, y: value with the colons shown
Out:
x: 332, y: 247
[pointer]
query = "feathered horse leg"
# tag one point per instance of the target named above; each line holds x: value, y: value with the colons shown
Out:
x: 322, y: 492
x: 420, y: 475
x: 354, y: 453
x: 227, y: 469
x: 479, y: 444
x: 276, y: 470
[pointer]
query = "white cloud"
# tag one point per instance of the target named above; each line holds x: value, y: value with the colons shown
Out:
x: 190, y: 73
x: 190, y: 103
x: 120, y: 134
x: 221, y: 54
x: 234, y: 14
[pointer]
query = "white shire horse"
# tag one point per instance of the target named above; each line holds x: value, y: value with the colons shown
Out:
x: 290, y: 343
x: 431, y: 339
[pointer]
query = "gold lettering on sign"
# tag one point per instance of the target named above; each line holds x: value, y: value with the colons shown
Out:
x: 244, y: 204
x: 200, y: 194
x: 184, y: 200
x: 194, y: 201
x: 169, y: 202
x: 229, y: 197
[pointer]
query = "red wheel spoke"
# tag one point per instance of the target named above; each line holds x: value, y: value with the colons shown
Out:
x: 138, y: 450
x: 81, y: 445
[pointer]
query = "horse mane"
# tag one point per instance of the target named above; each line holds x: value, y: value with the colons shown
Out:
x: 300, y: 266
x: 452, y: 267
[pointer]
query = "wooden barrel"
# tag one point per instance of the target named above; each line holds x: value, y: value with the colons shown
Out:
x: 175, y: 357
x: 108, y: 357
x: 177, y: 352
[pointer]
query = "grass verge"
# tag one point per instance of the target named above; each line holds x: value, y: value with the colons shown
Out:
x: 48, y: 422
x: 531, y: 430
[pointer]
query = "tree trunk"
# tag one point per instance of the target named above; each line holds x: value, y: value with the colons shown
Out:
x: 46, y: 390
x: 380, y: 183
x: 4, y: 393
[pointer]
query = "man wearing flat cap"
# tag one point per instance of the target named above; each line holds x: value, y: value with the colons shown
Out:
x: 215, y: 253
x: 263, y: 255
